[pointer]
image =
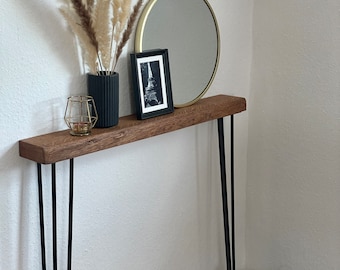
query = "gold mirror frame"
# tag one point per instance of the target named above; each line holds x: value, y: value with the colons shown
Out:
x: 139, y: 44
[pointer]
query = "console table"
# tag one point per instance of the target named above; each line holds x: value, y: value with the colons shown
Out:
x: 58, y: 146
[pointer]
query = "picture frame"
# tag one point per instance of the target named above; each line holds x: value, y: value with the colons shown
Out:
x: 152, y: 83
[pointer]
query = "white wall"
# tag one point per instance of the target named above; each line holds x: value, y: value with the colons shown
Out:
x: 293, y: 202
x: 153, y: 204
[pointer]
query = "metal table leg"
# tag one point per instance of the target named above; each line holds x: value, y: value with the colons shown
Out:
x: 41, y: 212
x: 232, y: 187
x: 70, y: 217
x: 54, y: 217
x: 230, y: 252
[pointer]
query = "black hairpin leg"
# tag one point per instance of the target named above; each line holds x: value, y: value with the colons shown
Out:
x: 54, y: 217
x: 232, y: 187
x: 41, y: 212
x: 230, y: 254
x: 70, y: 218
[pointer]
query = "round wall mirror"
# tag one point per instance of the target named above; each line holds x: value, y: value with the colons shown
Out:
x: 189, y: 30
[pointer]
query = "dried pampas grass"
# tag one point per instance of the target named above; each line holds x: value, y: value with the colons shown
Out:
x: 102, y: 28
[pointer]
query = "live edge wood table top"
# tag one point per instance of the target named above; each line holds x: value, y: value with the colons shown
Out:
x: 57, y: 146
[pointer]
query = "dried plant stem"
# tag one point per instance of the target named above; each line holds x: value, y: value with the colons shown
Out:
x: 126, y: 33
x: 101, y: 25
x: 86, y: 21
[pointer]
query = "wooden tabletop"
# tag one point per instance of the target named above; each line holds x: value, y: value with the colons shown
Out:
x: 58, y: 146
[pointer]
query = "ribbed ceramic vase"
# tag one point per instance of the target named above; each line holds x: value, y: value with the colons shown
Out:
x: 105, y: 91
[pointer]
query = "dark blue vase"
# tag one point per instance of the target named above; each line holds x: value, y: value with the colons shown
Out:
x: 105, y: 91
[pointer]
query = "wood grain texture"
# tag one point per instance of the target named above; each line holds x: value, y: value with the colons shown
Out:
x: 58, y: 146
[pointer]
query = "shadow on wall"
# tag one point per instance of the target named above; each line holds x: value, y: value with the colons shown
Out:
x: 10, y: 160
x: 50, y: 23
x: 15, y: 214
x: 46, y: 18
x: 19, y: 214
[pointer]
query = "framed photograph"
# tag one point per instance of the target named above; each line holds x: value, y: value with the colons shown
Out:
x: 151, y: 83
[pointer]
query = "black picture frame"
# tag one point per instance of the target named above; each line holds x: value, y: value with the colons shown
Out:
x: 152, y: 83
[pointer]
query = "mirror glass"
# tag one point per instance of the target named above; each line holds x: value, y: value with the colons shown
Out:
x: 189, y: 30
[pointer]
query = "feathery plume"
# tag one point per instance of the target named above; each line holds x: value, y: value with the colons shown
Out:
x: 102, y: 28
x: 88, y: 50
x: 90, y: 5
x: 127, y: 32
x: 101, y: 25
x: 86, y: 21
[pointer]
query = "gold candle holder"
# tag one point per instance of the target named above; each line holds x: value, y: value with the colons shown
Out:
x: 80, y: 115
